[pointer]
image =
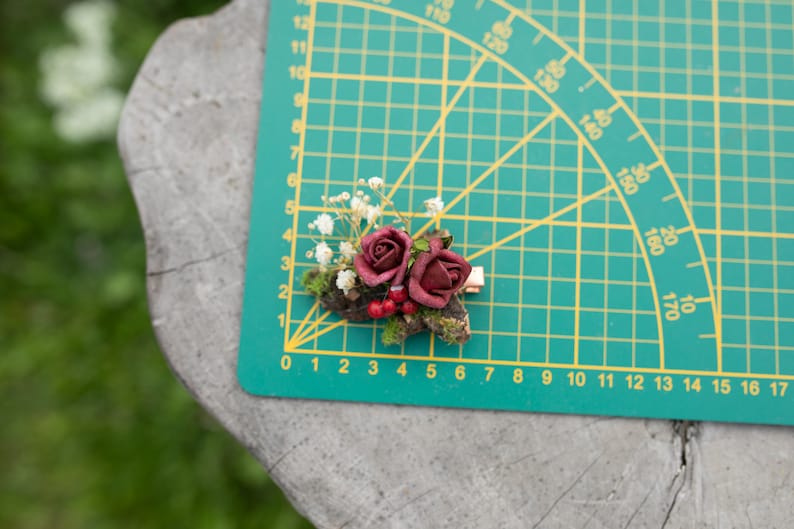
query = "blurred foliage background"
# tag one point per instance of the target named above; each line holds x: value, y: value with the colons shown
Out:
x: 95, y: 432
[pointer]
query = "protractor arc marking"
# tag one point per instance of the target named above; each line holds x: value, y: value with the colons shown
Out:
x: 639, y: 177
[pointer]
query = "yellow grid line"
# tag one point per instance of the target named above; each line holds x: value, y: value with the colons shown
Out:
x: 635, y: 81
x: 422, y: 81
x: 773, y: 188
x: 585, y: 367
x: 299, y: 169
x: 469, y: 165
x: 523, y: 252
x: 442, y: 132
x: 578, y: 284
x: 582, y: 18
x: 706, y: 98
x: 359, y: 122
x: 387, y: 133
x: 745, y: 188
x: 494, y: 204
x: 549, y: 244
x: 509, y: 112
x: 715, y: 35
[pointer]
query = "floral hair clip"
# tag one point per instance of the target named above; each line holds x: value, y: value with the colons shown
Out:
x: 380, y: 271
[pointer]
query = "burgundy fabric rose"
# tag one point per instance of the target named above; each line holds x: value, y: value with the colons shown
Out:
x: 437, y: 275
x: 384, y: 256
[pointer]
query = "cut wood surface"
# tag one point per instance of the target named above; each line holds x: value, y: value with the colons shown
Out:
x: 187, y: 138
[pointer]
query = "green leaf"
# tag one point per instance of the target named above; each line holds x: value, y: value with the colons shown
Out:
x: 448, y: 240
x: 422, y: 245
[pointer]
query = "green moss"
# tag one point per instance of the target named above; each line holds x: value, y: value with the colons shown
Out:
x: 427, y: 313
x: 318, y: 283
x: 448, y: 329
x: 451, y: 330
x: 392, y: 332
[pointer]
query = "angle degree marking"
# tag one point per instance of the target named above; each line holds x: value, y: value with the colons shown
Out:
x: 534, y: 23
x: 572, y: 125
x: 315, y: 324
x: 305, y: 320
x: 565, y: 117
x: 308, y: 338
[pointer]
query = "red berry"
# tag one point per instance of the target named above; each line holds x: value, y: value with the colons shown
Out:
x: 398, y: 294
x: 375, y: 309
x: 389, y: 307
x: 409, y: 306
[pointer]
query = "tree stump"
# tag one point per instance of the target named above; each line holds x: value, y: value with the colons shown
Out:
x: 188, y: 138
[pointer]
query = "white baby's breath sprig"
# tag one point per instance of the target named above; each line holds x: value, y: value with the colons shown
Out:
x: 324, y: 224
x: 375, y: 183
x: 358, y: 208
x: 347, y: 249
x: 373, y: 214
x: 433, y: 206
x: 346, y: 280
x: 323, y: 253
x: 378, y: 187
x: 345, y: 216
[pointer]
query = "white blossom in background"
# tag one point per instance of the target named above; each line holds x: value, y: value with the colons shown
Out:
x: 91, y: 21
x: 434, y: 206
x: 76, y: 79
x: 347, y: 249
x: 345, y: 280
x: 375, y: 183
x: 323, y: 253
x: 324, y: 223
x: 91, y: 118
x: 72, y: 74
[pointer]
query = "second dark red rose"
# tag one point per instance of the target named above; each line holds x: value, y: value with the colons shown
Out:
x: 437, y: 275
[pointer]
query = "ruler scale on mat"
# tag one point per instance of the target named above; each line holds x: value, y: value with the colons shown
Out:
x: 624, y: 176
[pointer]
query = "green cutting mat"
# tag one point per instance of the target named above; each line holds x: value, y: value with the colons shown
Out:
x: 624, y: 172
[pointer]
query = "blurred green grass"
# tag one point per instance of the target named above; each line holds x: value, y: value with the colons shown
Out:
x: 96, y: 432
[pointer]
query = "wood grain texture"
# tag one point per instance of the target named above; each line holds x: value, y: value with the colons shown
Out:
x: 187, y: 138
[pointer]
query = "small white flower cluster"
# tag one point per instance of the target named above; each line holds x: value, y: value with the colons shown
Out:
x: 323, y: 253
x: 375, y: 183
x: 324, y: 224
x: 351, y: 214
x: 434, y: 206
x: 346, y: 280
x: 77, y: 79
x: 347, y: 250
